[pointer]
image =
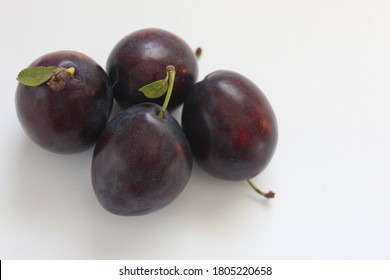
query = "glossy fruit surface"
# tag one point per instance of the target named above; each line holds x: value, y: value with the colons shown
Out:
x: 141, y: 58
x: 141, y: 162
x: 230, y: 125
x: 67, y: 120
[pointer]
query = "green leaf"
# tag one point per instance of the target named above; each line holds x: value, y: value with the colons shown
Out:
x: 155, y: 89
x: 36, y: 75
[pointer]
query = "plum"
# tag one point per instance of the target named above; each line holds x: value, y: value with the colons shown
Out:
x: 67, y: 113
x: 231, y: 126
x: 141, y: 57
x: 141, y: 162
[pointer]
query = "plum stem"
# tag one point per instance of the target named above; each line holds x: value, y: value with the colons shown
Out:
x: 269, y: 194
x: 171, y: 79
x: 60, y: 78
x: 198, y: 53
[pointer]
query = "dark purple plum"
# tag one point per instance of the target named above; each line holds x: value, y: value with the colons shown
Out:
x: 141, y: 57
x: 141, y: 161
x: 230, y: 125
x: 70, y: 117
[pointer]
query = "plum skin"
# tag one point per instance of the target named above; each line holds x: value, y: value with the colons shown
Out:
x: 141, y: 162
x: 141, y: 58
x: 69, y: 120
x: 231, y: 126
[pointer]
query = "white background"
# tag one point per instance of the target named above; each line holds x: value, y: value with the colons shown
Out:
x: 324, y: 66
